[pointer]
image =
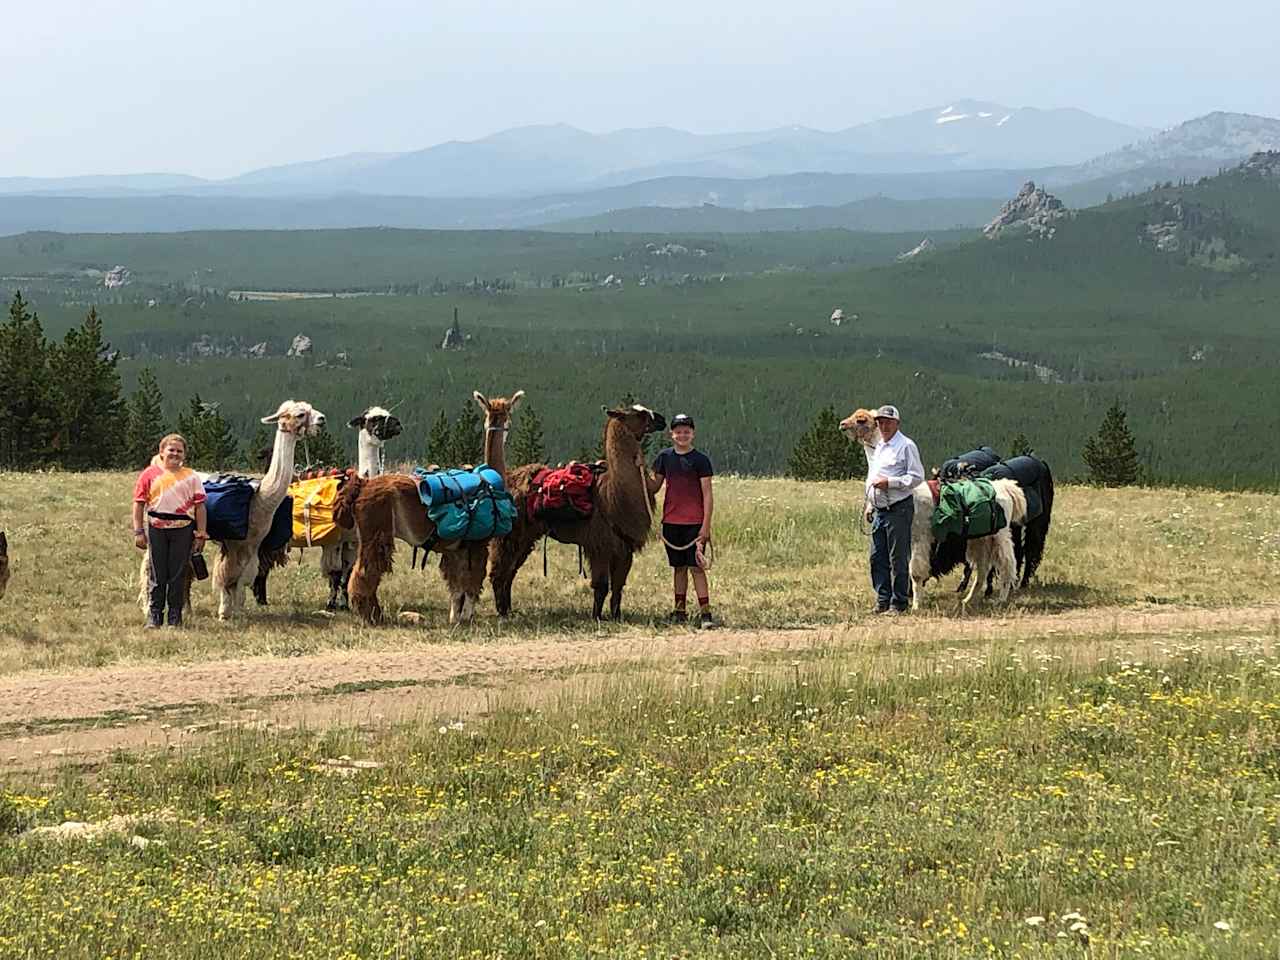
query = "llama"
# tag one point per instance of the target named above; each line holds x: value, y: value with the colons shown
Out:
x: 4, y: 563
x: 861, y: 427
x: 992, y: 556
x: 610, y: 537
x: 236, y: 565
x: 376, y: 425
x: 388, y: 508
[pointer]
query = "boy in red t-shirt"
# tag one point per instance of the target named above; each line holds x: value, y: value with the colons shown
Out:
x: 686, y: 515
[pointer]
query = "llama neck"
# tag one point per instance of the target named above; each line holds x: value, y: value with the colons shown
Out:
x: 495, y: 447
x: 623, y: 454
x: 275, y: 484
x: 369, y: 463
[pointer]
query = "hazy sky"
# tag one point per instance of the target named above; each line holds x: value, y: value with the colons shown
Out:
x: 217, y: 87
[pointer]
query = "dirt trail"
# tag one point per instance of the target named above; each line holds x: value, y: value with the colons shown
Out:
x: 55, y: 718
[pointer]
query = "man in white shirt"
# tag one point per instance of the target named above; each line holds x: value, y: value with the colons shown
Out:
x: 894, y: 471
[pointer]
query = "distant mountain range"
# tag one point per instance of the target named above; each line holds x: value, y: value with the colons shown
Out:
x: 974, y: 153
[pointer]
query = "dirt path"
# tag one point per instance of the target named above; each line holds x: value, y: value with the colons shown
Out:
x: 55, y: 718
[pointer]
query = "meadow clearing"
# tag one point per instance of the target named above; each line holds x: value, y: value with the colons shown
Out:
x: 1093, y: 771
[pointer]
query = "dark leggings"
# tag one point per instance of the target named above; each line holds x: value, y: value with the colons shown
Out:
x: 170, y: 550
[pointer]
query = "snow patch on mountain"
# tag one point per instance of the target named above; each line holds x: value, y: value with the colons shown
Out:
x: 952, y: 117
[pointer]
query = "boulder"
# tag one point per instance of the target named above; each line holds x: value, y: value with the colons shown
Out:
x: 301, y: 346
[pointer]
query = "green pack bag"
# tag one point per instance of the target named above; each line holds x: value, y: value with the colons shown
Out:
x: 967, y: 509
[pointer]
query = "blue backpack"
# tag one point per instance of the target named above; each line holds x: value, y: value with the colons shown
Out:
x: 466, y: 504
x: 227, y: 499
x: 281, y: 531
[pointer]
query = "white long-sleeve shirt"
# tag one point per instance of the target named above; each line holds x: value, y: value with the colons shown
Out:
x: 899, y: 461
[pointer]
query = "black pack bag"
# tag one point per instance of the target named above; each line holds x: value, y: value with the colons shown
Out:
x: 969, y: 464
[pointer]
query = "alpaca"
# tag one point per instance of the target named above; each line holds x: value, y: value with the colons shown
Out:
x: 236, y: 565
x: 376, y: 425
x: 388, y: 508
x: 610, y: 537
x: 994, y: 554
x: 4, y: 563
x: 861, y: 427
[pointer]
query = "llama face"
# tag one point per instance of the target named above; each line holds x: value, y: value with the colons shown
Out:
x: 378, y: 423
x: 498, y: 410
x: 859, y: 426
x: 297, y: 417
x: 639, y: 419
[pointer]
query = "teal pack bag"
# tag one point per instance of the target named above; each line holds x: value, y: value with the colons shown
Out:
x: 468, y: 504
x: 968, y: 509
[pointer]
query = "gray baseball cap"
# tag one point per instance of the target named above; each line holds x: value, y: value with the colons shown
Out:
x: 888, y: 412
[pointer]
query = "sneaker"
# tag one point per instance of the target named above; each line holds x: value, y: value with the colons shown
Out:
x: 705, y: 622
x: 678, y: 616
x: 877, y: 610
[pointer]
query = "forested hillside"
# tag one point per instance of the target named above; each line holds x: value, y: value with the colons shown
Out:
x: 1167, y: 301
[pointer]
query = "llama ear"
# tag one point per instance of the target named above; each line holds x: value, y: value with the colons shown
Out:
x: 516, y: 398
x: 357, y: 423
x: 481, y: 399
x: 614, y: 414
x: 274, y: 418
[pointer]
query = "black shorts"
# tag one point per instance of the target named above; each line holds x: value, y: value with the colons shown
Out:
x: 680, y: 534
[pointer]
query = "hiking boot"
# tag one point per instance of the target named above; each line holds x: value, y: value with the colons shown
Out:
x: 877, y: 610
x: 153, y: 623
x: 678, y: 616
x: 705, y: 621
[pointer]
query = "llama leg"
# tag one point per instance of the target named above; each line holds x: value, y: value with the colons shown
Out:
x: 348, y: 562
x: 506, y: 556
x: 919, y: 573
x: 1017, y: 532
x: 599, y: 585
x: 975, y: 561
x: 144, y: 590
x: 365, y: 577
x: 968, y: 575
x: 1006, y: 568
x: 260, y: 586
x: 619, y: 569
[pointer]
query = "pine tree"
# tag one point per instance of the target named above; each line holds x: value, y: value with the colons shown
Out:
x: 324, y: 450
x: 439, y: 441
x: 823, y: 453
x: 144, y: 420
x: 1111, y: 454
x: 258, y: 454
x: 1020, y: 446
x: 91, y: 414
x: 526, y: 439
x: 210, y: 443
x: 28, y: 406
x: 466, y: 442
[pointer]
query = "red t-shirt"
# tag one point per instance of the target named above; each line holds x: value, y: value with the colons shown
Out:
x: 683, y: 472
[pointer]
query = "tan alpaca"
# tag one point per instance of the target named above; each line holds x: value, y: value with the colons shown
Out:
x: 388, y: 508
x: 236, y: 565
x: 610, y: 537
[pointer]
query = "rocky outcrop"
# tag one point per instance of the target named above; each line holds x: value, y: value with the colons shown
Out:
x: 300, y: 347
x: 924, y: 246
x: 1264, y: 163
x: 1033, y: 209
x: 116, y: 277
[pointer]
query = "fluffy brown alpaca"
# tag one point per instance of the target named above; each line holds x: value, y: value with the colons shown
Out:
x: 610, y: 538
x: 388, y: 508
x: 4, y: 563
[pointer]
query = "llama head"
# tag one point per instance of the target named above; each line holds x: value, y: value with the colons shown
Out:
x: 638, y: 418
x: 498, y: 410
x: 860, y: 426
x: 378, y: 422
x: 297, y: 417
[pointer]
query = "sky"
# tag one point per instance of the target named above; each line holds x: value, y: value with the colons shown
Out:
x: 218, y: 88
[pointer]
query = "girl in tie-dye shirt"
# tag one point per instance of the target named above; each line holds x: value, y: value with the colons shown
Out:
x: 168, y: 522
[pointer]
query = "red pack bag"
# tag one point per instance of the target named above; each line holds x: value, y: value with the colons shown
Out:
x: 563, y: 494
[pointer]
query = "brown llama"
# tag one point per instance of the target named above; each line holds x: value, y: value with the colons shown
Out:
x: 388, y: 508
x: 614, y: 533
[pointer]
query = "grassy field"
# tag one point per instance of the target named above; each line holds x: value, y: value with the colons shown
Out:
x: 905, y: 804
x: 788, y: 555
x: 1053, y: 788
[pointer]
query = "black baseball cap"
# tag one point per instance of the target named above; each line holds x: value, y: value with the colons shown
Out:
x: 682, y: 420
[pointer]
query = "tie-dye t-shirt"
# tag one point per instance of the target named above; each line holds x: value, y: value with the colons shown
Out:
x: 173, y: 494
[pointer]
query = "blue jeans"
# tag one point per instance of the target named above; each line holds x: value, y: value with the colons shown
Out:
x: 891, y: 554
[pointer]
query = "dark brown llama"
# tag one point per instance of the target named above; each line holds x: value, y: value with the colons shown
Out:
x: 614, y: 533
